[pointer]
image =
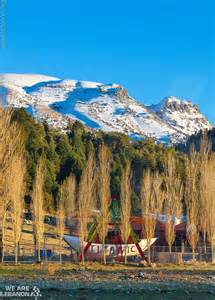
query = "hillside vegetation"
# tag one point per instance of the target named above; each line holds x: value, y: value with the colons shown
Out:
x: 75, y: 174
x: 66, y: 153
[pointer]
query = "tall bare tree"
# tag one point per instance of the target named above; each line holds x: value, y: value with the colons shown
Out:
x: 151, y: 197
x: 38, y: 210
x: 16, y: 196
x: 204, y: 184
x: 61, y: 217
x: 10, y: 143
x: 173, y: 197
x: 104, y: 194
x: 125, y: 201
x: 210, y: 204
x: 191, y: 199
x: 146, y: 203
x: 69, y: 194
x: 65, y: 206
x: 86, y: 199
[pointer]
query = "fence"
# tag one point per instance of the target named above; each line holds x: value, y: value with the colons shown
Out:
x: 52, y: 255
x: 202, y: 253
x: 48, y: 252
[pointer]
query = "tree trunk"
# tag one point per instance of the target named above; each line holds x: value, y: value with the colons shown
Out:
x: 2, y: 252
x: 182, y: 247
x: 204, y: 241
x: 193, y: 254
x: 104, y: 253
x: 126, y: 254
x: 19, y: 249
x: 38, y: 252
x: 35, y: 249
x: 60, y: 251
x: 16, y: 253
x: 2, y: 257
x: 82, y: 256
x: 149, y: 253
x: 3, y: 237
x: 44, y: 247
x: 170, y: 248
x: 213, y: 250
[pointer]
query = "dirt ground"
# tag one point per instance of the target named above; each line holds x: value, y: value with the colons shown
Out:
x: 95, y: 273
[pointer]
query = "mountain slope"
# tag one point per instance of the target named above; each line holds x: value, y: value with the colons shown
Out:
x: 182, y: 115
x: 97, y: 105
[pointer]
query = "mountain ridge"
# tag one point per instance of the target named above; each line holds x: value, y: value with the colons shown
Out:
x: 101, y: 106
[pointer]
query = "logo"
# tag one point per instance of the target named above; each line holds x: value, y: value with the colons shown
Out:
x: 36, y: 292
x: 20, y: 291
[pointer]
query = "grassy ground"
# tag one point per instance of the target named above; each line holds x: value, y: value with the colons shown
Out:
x: 188, y: 282
x: 48, y: 270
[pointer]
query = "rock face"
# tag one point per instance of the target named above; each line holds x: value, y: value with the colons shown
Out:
x: 183, y: 116
x: 100, y: 106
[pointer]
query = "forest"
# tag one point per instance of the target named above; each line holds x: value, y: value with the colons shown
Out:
x: 66, y: 153
x: 44, y: 170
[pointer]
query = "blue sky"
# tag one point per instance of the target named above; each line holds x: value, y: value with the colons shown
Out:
x: 154, y: 48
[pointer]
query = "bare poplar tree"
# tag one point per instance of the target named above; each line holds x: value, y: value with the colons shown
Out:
x: 5, y: 123
x: 146, y: 203
x: 69, y: 195
x: 86, y: 199
x: 173, y: 197
x: 151, y: 197
x: 38, y: 210
x: 65, y: 206
x: 125, y: 201
x: 104, y: 194
x: 61, y: 218
x: 16, y: 196
x: 191, y: 199
x: 210, y: 204
x: 203, y: 185
x: 10, y: 143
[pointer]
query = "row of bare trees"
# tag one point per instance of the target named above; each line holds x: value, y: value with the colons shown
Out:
x: 160, y: 193
x: 13, y: 185
x: 199, y: 195
x: 193, y: 197
x: 172, y: 196
x: 13, y: 189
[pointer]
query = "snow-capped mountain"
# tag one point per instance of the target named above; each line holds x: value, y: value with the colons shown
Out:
x: 182, y: 115
x: 100, y: 106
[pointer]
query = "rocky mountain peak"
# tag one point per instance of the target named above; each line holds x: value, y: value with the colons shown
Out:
x: 175, y: 104
x: 101, y: 106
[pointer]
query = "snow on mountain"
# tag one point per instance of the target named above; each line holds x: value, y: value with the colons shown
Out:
x: 12, y: 87
x: 100, y: 106
x: 23, y: 80
x: 182, y: 115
